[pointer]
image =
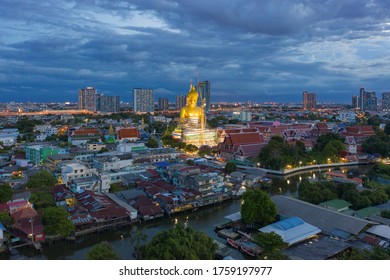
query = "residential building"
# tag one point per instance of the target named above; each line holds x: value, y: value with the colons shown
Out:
x: 107, y: 104
x: 9, y: 136
x: 309, y: 101
x: 347, y: 116
x: 203, y: 89
x: 367, y: 100
x: 75, y: 170
x: 37, y: 154
x: 386, y: 101
x: 87, y: 99
x: 355, y: 102
x: 131, y: 147
x: 181, y: 101
x: 163, y: 104
x: 143, y: 100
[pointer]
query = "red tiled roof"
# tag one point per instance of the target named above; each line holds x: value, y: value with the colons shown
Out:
x: 142, y: 200
x: 24, y: 213
x: 25, y: 225
x: 251, y: 149
x: 150, y: 210
x: 4, y: 207
x: 246, y: 138
x: 86, y: 131
x: 130, y: 132
x: 110, y: 213
x: 164, y: 185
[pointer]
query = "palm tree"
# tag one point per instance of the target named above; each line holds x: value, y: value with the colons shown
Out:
x: 138, y: 237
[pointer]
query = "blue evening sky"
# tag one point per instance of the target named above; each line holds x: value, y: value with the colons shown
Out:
x: 250, y: 50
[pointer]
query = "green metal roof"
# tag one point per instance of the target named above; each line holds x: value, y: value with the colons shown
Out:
x: 368, y: 211
x: 335, y: 204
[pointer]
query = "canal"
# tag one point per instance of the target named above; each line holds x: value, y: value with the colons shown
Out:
x: 203, y: 220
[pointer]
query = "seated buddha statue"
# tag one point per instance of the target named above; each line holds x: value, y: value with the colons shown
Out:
x: 191, y: 115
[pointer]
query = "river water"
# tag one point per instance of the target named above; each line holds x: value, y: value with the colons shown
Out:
x: 203, y: 220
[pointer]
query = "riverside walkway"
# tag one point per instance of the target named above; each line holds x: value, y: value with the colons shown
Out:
x: 303, y: 168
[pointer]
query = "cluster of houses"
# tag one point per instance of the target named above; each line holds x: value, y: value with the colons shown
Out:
x: 155, y: 182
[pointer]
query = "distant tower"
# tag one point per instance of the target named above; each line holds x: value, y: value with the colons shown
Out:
x: 204, y: 92
x: 87, y: 99
x: 386, y: 101
x: 143, y: 100
x: 309, y: 100
x: 367, y: 100
x: 181, y: 101
x: 163, y: 104
x: 355, y: 102
x: 107, y: 104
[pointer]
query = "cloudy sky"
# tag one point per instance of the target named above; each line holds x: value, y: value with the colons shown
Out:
x: 250, y: 50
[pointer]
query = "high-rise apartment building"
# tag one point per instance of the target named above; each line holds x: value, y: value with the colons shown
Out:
x: 355, y: 102
x: 87, y: 99
x: 309, y: 100
x: 163, y: 104
x: 181, y: 101
x: 204, y: 92
x: 367, y: 100
x: 143, y: 100
x: 386, y: 101
x: 107, y: 104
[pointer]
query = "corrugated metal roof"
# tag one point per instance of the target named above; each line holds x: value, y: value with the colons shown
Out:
x: 380, y: 230
x: 292, y: 230
x: 323, y: 218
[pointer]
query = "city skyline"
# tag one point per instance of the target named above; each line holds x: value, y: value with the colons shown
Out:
x: 249, y: 50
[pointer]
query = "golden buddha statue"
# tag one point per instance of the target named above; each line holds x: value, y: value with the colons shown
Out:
x: 192, y: 115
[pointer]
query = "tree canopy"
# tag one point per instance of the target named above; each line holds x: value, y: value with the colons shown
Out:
x: 102, y: 251
x: 230, y: 167
x: 40, y: 180
x: 272, y: 244
x: 152, y: 143
x: 56, y: 221
x: 180, y: 243
x: 42, y: 200
x: 257, y: 208
x: 5, y: 192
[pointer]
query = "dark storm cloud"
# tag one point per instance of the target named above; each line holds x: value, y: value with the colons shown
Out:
x: 259, y: 50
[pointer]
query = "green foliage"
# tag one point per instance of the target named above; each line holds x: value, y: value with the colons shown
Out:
x: 377, y: 145
x: 25, y: 125
x: 323, y: 140
x: 102, y: 251
x: 387, y: 129
x: 138, y: 238
x: 5, y: 218
x: 42, y: 200
x: 277, y: 154
x: 5, y: 192
x: 380, y: 169
x: 272, y: 245
x: 180, y: 243
x: 56, y: 221
x: 230, y: 167
x: 377, y: 253
x: 385, y: 214
x: 191, y: 148
x: 257, y: 208
x: 152, y: 143
x: 316, y: 192
x: 41, y: 179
